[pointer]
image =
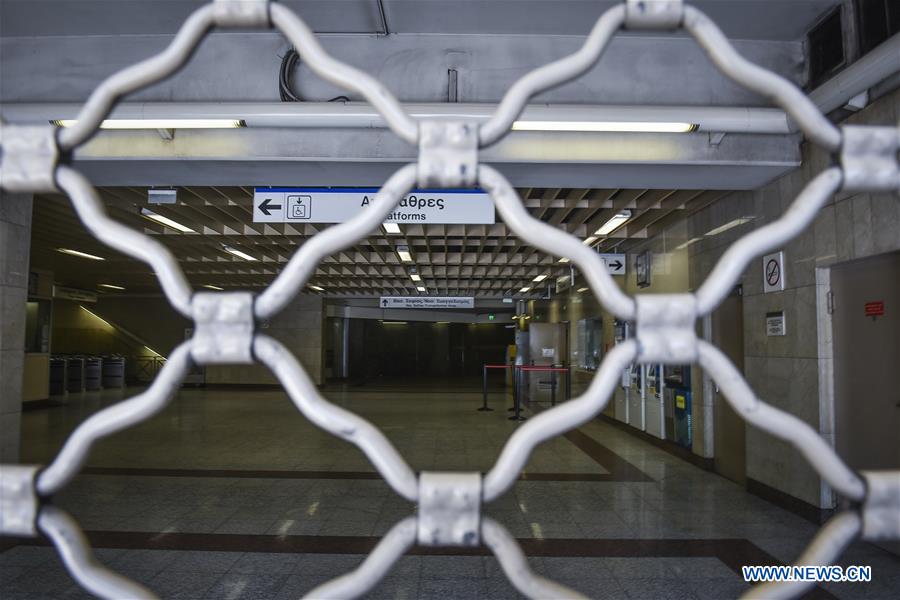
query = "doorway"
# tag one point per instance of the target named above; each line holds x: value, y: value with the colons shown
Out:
x: 866, y: 330
x: 729, y: 429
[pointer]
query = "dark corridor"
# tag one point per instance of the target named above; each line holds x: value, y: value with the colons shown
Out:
x: 422, y: 349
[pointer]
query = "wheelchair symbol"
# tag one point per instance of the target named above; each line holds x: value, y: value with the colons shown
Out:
x: 299, y: 207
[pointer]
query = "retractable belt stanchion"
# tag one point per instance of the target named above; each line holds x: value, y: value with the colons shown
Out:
x: 484, y: 385
x: 517, y: 394
x: 553, y: 371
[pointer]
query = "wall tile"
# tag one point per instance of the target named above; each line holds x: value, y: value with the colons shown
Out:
x: 16, y: 208
x: 12, y: 318
x: 15, y: 243
x: 885, y: 233
x: 11, y: 365
x: 9, y: 441
x: 861, y: 224
x: 824, y: 233
x: 843, y: 230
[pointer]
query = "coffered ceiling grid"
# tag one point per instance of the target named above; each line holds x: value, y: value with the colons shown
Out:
x: 481, y: 260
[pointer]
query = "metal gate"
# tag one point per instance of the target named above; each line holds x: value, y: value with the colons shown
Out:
x: 36, y: 158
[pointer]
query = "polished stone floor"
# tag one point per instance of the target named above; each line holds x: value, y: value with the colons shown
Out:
x: 234, y: 494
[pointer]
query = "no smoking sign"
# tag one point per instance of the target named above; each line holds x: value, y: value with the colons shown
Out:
x: 773, y: 272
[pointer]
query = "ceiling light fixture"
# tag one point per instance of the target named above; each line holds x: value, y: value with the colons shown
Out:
x: 688, y: 243
x: 614, y: 223
x: 415, y: 277
x: 590, y: 240
x: 239, y: 253
x: 728, y: 225
x: 564, y: 260
x: 160, y: 123
x: 110, y: 286
x: 79, y: 254
x: 421, y: 288
x: 525, y: 289
x: 149, y: 214
x: 403, y: 253
x: 584, y: 289
x: 317, y: 288
x: 391, y: 228
x: 539, y: 278
x: 613, y: 126
x: 214, y: 287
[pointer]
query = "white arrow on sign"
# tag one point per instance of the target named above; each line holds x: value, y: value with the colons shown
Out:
x: 615, y: 263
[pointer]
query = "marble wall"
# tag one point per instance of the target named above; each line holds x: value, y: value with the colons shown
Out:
x: 793, y: 372
x: 299, y: 326
x: 15, y: 243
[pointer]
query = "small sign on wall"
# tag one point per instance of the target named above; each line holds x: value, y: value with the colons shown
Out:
x: 875, y: 309
x: 548, y: 352
x: 773, y: 272
x: 775, y: 324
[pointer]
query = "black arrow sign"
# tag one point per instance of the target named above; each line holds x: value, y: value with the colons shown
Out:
x: 384, y: 302
x: 615, y: 265
x: 266, y: 205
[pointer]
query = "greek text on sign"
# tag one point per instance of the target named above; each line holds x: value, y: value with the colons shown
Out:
x: 336, y: 205
x: 615, y: 263
x: 775, y: 325
x: 874, y: 309
x: 427, y: 302
x: 773, y: 272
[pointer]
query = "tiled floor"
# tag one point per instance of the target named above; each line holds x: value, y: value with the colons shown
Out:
x: 234, y: 494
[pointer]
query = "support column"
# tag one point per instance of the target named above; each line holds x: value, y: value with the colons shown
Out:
x: 15, y: 245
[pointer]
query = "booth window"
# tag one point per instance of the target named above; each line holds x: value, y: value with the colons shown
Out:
x: 37, y: 326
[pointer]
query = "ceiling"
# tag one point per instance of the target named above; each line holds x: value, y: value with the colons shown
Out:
x: 783, y: 20
x: 485, y: 261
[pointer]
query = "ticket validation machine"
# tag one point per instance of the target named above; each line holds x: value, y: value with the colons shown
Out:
x: 654, y: 407
x: 637, y: 412
x: 678, y: 418
x: 622, y: 395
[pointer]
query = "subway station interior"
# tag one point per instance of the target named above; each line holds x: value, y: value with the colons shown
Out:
x: 431, y: 299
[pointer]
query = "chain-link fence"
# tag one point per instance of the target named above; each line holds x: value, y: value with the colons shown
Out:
x: 36, y: 158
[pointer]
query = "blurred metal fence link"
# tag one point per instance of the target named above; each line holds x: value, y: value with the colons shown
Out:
x: 449, y: 503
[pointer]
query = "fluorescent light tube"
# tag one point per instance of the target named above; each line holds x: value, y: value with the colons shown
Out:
x: 584, y: 289
x: 539, y: 278
x: 420, y: 288
x: 96, y: 316
x: 590, y: 240
x: 564, y: 260
x: 110, y: 286
x: 614, y: 223
x: 728, y: 225
x: 525, y: 289
x: 214, y: 287
x: 317, y: 288
x: 394, y: 322
x: 149, y: 214
x: 403, y: 253
x: 391, y: 228
x: 616, y: 126
x: 160, y: 123
x: 688, y: 243
x: 239, y: 253
x: 79, y: 253
x: 415, y: 277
